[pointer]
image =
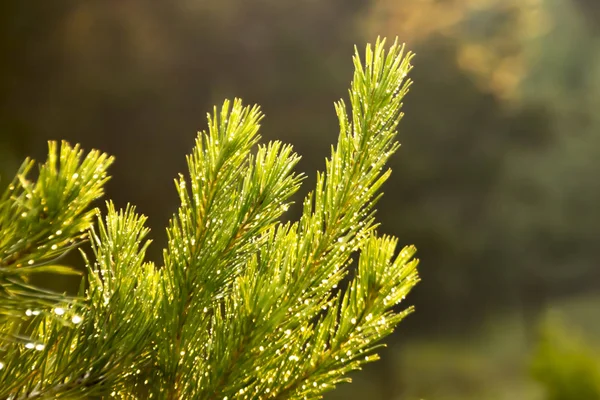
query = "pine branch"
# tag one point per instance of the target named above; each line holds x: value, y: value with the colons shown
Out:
x: 344, y: 338
x: 235, y: 197
x: 40, y: 221
x: 244, y: 306
x: 88, y: 347
x: 293, y: 287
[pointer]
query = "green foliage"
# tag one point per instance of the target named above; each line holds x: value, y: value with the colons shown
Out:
x: 244, y: 306
x: 42, y: 220
x: 567, y: 368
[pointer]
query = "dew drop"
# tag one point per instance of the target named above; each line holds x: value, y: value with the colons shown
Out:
x: 59, y: 311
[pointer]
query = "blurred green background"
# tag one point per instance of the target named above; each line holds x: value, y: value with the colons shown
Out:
x: 496, y: 182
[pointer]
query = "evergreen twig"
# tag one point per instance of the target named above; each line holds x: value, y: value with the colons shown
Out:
x: 244, y: 306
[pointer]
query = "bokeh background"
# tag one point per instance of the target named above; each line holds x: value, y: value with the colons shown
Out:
x: 496, y: 182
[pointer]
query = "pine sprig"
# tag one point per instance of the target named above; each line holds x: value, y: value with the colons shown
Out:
x: 245, y: 306
x: 93, y: 346
x: 53, y: 210
x: 40, y: 220
x: 235, y: 197
x: 347, y: 336
x: 307, y: 261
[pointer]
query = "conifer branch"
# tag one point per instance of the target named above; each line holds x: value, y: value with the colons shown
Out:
x: 39, y: 222
x: 245, y: 306
x: 90, y: 346
x: 336, y: 220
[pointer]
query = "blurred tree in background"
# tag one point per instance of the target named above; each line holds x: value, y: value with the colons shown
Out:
x: 565, y: 364
x: 491, y: 35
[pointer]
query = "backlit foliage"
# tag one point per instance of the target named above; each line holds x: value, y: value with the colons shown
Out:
x: 244, y: 306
